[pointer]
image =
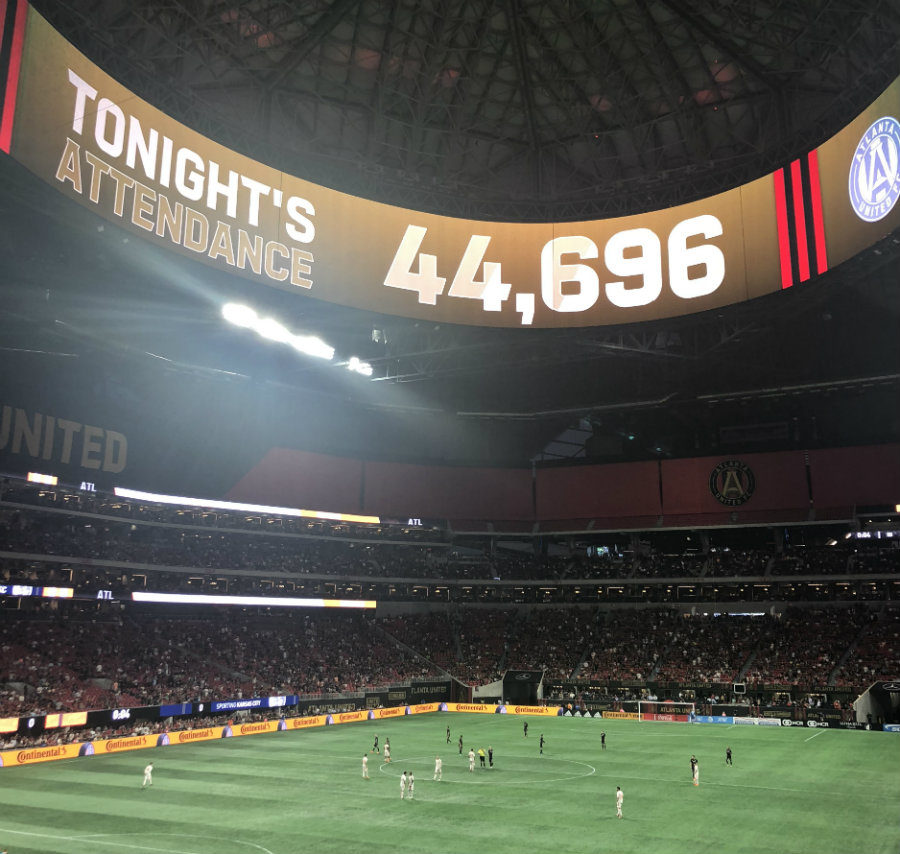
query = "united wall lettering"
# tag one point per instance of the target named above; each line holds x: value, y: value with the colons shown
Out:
x: 50, y: 439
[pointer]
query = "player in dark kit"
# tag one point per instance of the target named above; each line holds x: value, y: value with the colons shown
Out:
x: 490, y: 756
x: 603, y: 741
x: 448, y: 735
x: 375, y: 746
x: 542, y: 744
x: 460, y: 745
x: 728, y: 756
x: 525, y: 729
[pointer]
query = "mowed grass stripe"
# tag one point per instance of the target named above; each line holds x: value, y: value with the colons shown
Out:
x: 302, y: 791
x: 162, y: 843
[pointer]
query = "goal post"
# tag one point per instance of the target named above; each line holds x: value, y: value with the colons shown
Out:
x: 670, y: 712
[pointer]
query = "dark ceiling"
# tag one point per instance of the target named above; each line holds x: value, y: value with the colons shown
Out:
x: 509, y: 109
x: 513, y: 110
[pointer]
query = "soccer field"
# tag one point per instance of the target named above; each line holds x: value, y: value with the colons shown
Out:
x: 789, y: 790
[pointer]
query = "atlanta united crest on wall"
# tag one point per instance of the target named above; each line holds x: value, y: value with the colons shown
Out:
x: 875, y: 170
x: 732, y: 483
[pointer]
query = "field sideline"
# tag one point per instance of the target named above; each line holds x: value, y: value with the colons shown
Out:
x: 790, y: 790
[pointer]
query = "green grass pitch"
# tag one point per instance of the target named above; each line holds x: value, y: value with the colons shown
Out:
x: 790, y: 790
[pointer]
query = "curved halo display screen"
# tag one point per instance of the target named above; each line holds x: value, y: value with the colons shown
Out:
x: 77, y: 129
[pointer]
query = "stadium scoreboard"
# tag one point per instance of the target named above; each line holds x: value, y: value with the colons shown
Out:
x: 76, y: 128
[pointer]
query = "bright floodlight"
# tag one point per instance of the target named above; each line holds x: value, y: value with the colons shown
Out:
x: 267, y: 327
x: 359, y: 367
x: 274, y: 331
x: 312, y: 346
x: 239, y: 315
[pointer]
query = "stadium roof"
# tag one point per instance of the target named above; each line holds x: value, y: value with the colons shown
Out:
x: 513, y: 109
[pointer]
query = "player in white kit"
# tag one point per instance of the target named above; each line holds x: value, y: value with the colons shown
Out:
x: 471, y: 759
x: 410, y: 784
x: 403, y: 785
x: 365, y: 767
x: 438, y: 768
x: 148, y: 776
x: 619, y: 798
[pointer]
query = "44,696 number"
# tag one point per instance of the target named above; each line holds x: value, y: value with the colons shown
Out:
x: 568, y: 286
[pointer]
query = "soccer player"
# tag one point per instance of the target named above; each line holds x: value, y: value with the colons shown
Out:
x: 410, y: 784
x: 728, y: 756
x: 365, y: 767
x: 448, y: 733
x: 695, y: 770
x: 542, y: 744
x: 471, y: 759
x: 148, y: 776
x: 375, y: 746
x: 481, y: 756
x: 603, y: 740
x: 490, y: 756
x: 525, y: 729
x: 438, y: 769
x: 387, y: 750
x: 460, y: 744
x: 403, y: 785
x: 620, y: 796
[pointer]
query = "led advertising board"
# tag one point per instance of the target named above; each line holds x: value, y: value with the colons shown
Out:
x: 76, y: 128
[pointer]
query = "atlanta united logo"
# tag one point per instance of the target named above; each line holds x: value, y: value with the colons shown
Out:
x: 875, y: 171
x: 732, y: 483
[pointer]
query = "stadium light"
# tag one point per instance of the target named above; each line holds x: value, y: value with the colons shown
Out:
x: 359, y: 367
x: 251, y: 601
x: 239, y: 315
x: 239, y: 506
x: 272, y: 330
x: 312, y: 346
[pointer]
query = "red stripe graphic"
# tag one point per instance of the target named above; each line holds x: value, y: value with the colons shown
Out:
x: 784, y: 238
x: 818, y: 222
x: 12, y: 79
x: 800, y: 222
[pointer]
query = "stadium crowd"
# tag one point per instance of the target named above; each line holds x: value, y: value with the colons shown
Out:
x: 92, y: 527
x: 551, y: 640
x: 65, y: 664
x: 875, y: 656
x: 709, y: 650
x: 78, y: 542
x: 103, y: 655
x: 805, y: 647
